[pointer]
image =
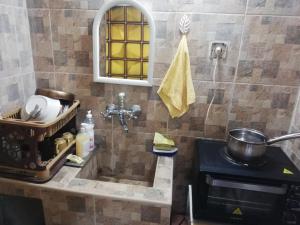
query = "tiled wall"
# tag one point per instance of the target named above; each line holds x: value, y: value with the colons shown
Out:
x: 257, y: 85
x: 17, y: 81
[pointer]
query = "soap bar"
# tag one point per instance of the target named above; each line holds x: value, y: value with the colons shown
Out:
x: 75, y: 159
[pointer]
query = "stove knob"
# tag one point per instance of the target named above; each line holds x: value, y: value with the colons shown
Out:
x: 293, y: 204
x: 295, y: 190
x: 290, y: 218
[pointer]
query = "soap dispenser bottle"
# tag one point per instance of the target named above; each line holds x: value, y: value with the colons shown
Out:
x: 89, y: 125
x: 82, y: 143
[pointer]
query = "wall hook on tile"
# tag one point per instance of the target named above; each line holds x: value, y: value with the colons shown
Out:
x: 185, y: 24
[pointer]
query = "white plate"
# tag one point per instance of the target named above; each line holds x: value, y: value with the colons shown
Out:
x: 49, y: 107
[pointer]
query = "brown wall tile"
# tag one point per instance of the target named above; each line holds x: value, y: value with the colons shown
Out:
x: 270, y: 50
x: 266, y: 108
x: 72, y: 41
x: 41, y: 40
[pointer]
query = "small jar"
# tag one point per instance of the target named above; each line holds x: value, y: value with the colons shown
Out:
x: 69, y: 137
x: 60, y: 144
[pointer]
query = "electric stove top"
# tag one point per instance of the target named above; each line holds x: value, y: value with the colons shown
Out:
x: 275, y: 165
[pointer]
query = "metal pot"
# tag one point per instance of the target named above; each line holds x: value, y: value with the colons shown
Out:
x: 248, y: 144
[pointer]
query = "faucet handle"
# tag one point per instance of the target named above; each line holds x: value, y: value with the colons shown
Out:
x: 106, y: 115
x: 109, y: 110
x: 135, y: 111
x: 111, y: 107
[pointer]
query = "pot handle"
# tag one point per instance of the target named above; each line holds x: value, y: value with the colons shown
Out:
x: 283, y: 138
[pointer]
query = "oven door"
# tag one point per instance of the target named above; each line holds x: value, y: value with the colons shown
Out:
x: 245, y: 203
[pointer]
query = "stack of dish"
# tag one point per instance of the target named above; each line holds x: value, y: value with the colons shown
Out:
x: 46, y: 105
x: 41, y: 108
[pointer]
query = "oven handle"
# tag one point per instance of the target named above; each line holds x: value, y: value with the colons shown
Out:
x: 245, y: 186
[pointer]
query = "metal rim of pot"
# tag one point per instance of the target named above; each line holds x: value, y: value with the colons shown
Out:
x: 264, y: 139
x: 248, y: 144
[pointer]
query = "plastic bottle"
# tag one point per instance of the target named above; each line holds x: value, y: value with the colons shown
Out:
x: 82, y: 143
x: 89, y: 118
x: 89, y: 125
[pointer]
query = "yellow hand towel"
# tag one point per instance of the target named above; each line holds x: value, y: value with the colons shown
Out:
x: 176, y: 89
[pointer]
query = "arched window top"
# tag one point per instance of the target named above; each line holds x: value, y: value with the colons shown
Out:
x: 145, y: 78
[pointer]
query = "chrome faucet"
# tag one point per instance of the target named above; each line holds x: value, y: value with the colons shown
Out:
x: 120, y: 111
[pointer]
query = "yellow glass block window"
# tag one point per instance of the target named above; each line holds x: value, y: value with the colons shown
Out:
x: 117, y: 67
x: 133, y: 51
x: 127, y: 43
x: 133, y: 14
x: 117, y: 14
x: 117, y: 50
x: 145, y: 51
x: 117, y: 32
x: 134, y: 68
x: 145, y: 68
x: 134, y: 32
x: 146, y: 33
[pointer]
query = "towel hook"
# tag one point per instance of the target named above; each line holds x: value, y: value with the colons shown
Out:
x: 185, y: 24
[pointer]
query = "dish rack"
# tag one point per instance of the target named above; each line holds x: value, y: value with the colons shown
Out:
x: 27, y: 149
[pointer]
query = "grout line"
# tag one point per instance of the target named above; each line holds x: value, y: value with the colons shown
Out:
x: 273, y: 15
x: 186, y: 12
x: 15, y: 75
x: 195, y: 80
x: 51, y: 39
x: 236, y: 70
x: 14, y: 6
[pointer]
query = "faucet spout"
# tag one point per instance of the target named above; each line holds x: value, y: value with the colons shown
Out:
x: 123, y: 122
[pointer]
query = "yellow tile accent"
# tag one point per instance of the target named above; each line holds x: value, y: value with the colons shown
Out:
x: 145, y: 51
x: 106, y: 49
x: 133, y: 68
x: 117, y: 32
x: 106, y: 31
x: 133, y: 51
x: 134, y: 15
x: 145, y: 68
x: 134, y: 32
x: 106, y: 66
x: 117, y: 13
x: 146, y: 33
x: 117, y: 66
x: 117, y: 50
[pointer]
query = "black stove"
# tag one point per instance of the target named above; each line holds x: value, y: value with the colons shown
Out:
x: 266, y: 191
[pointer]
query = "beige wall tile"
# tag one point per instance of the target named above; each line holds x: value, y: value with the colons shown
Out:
x: 270, y: 51
x: 266, y: 108
x: 41, y: 40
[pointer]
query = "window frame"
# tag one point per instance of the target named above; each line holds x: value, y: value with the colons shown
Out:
x: 97, y: 77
